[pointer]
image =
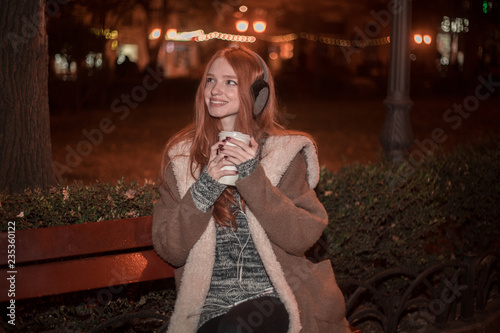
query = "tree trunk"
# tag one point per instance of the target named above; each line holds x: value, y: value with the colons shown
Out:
x: 25, y: 146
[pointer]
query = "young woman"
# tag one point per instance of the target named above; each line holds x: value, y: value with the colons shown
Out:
x: 239, y: 250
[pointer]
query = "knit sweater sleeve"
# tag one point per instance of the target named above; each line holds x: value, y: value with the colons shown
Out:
x: 290, y: 212
x: 178, y: 223
x: 247, y: 167
x: 205, y: 191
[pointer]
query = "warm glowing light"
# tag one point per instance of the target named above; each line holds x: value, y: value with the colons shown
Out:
x: 155, y: 34
x: 242, y: 25
x: 243, y: 9
x: 189, y: 35
x: 108, y: 34
x: 259, y: 26
x: 427, y: 39
x: 273, y: 55
x: 224, y: 36
x: 418, y: 38
x: 286, y: 50
x: 171, y: 33
x: 170, y: 47
x: 456, y: 25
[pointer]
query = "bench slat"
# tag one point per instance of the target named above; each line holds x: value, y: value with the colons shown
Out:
x: 85, y: 274
x: 78, y: 239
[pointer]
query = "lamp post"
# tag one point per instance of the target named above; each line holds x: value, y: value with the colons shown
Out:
x: 397, y: 134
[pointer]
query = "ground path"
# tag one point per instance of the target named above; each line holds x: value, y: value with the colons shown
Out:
x: 347, y: 131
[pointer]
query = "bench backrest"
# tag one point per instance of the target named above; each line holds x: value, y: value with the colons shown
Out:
x: 79, y: 257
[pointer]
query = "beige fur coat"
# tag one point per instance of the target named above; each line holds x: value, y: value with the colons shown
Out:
x: 285, y: 219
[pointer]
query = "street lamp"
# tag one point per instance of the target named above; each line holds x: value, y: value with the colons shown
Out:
x: 397, y: 134
x: 242, y: 25
x: 155, y: 34
x: 419, y: 39
x: 171, y: 33
x: 259, y: 26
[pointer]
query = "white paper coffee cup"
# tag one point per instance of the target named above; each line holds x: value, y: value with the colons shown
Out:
x: 231, y: 180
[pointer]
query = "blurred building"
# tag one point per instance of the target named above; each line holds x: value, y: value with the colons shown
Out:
x: 319, y: 38
x: 175, y: 34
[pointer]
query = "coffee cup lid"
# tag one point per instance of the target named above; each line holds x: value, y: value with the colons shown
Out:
x: 236, y: 135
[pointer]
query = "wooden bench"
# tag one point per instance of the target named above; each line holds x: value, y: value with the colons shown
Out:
x: 79, y: 257
x: 64, y: 259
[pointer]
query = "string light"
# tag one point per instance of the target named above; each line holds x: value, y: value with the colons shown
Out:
x: 327, y: 40
x: 202, y: 37
x: 225, y: 36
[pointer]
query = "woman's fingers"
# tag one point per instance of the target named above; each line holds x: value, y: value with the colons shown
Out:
x: 229, y: 152
x: 253, y: 143
x: 217, y: 162
x: 240, y: 152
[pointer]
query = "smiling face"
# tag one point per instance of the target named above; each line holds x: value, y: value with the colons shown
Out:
x: 221, y: 93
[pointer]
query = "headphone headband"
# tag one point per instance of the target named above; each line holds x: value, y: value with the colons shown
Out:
x: 260, y: 88
x: 263, y: 64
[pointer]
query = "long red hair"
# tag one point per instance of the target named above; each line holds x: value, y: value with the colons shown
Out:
x: 203, y: 131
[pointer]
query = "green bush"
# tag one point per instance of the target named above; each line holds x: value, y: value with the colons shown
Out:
x: 381, y: 215
x: 373, y: 225
x: 77, y: 203
x: 386, y: 216
x: 470, y: 192
x: 69, y: 313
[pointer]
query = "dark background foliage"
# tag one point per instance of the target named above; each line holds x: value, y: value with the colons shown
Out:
x: 385, y: 216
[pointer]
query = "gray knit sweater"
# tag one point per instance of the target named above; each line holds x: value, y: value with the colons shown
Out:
x: 238, y: 273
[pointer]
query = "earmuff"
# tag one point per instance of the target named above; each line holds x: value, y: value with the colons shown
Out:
x: 260, y: 89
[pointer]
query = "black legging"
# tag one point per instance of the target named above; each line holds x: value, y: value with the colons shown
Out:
x: 260, y: 315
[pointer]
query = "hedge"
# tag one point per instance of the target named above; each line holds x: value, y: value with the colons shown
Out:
x: 385, y: 216
x: 380, y: 216
x: 77, y: 203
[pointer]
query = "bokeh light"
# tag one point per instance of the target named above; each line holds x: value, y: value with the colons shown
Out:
x: 171, y: 33
x: 155, y: 34
x: 259, y: 26
x: 242, y: 25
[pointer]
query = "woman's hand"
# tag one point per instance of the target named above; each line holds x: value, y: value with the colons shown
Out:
x: 241, y: 153
x: 222, y: 154
x: 217, y: 161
